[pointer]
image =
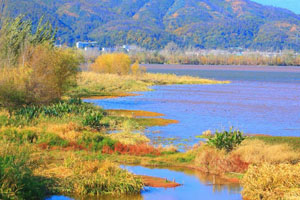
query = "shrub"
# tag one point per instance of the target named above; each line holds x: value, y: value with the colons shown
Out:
x: 116, y: 63
x: 227, y: 139
x: 136, y: 69
x: 93, y: 120
x: 13, y: 86
x: 17, y: 34
x: 215, y: 161
x: 32, y: 70
x: 47, y: 75
x: 53, y: 72
x: 271, y: 182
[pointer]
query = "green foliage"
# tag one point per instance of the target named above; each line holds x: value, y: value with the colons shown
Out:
x: 27, y: 114
x: 16, y: 177
x: 96, y: 141
x: 16, y: 34
x: 186, y: 158
x: 226, y: 139
x: 18, y: 136
x: 23, y: 136
x: 3, y: 120
x: 93, y: 120
x: 52, y: 139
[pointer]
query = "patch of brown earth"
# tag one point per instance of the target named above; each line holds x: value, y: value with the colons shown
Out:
x: 158, y: 182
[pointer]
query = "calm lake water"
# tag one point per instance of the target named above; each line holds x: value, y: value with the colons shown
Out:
x: 258, y: 101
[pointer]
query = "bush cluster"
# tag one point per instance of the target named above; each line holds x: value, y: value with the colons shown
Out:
x: 116, y: 63
x: 32, y: 70
x: 226, y: 139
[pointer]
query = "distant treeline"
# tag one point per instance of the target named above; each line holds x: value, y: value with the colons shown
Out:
x: 284, y: 59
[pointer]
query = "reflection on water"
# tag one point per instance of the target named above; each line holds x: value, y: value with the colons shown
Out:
x: 196, y: 185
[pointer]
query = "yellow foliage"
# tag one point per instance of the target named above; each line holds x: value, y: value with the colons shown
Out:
x: 272, y: 182
x: 116, y: 63
x: 257, y: 152
x: 135, y: 69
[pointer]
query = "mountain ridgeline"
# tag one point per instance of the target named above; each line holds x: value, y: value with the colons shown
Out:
x: 152, y: 24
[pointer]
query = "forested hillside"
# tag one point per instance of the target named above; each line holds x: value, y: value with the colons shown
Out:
x: 154, y: 23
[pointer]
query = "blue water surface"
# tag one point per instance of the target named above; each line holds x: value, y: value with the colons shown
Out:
x: 255, y: 102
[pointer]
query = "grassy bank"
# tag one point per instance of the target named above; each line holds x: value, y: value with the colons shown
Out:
x: 98, y: 84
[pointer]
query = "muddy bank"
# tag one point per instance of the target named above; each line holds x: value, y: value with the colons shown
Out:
x: 157, y: 182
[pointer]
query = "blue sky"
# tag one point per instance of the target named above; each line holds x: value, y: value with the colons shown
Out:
x: 293, y: 5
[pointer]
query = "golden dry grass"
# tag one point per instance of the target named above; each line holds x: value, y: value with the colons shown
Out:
x: 69, y: 131
x: 93, y: 84
x: 258, y: 152
x: 134, y: 113
x: 166, y: 79
x: 272, y: 182
x: 87, y: 177
x: 130, y: 138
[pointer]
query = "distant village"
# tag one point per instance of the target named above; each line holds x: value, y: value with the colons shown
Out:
x: 94, y: 48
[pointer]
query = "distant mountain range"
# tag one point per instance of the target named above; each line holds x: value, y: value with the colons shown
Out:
x: 152, y: 24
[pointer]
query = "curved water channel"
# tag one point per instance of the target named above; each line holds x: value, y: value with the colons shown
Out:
x: 260, y: 100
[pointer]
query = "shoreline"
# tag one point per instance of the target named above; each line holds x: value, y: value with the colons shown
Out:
x: 262, y: 68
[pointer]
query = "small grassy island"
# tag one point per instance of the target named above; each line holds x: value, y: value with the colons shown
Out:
x: 51, y: 142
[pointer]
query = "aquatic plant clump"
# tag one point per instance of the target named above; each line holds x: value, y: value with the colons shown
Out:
x: 227, y: 139
x: 95, y: 178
